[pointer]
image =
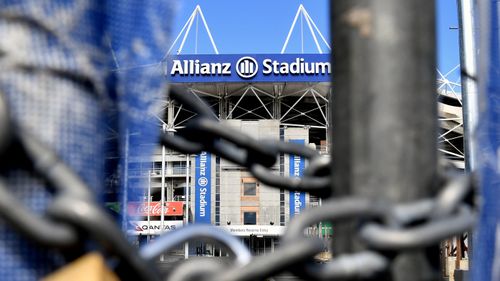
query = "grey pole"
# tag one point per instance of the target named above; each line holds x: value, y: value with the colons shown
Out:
x: 149, y: 207
x: 186, y: 198
x: 162, y: 199
x: 384, y: 113
x: 470, y: 105
x: 469, y: 73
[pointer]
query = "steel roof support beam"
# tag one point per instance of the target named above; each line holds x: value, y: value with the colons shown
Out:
x: 450, y: 130
x: 195, y: 91
x: 207, y: 29
x: 450, y: 139
x: 293, y: 106
x: 197, y: 12
x: 263, y: 92
x: 447, y: 83
x: 238, y: 102
x: 381, y: 149
x: 319, y: 107
x: 452, y: 145
x: 319, y: 95
x: 261, y: 102
x: 300, y: 114
x: 302, y: 126
x: 291, y: 29
x: 250, y: 112
x: 188, y: 22
x: 308, y: 17
x: 313, y: 28
x: 312, y: 33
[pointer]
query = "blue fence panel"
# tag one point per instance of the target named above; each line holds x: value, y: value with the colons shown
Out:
x: 72, y: 72
x: 486, y: 250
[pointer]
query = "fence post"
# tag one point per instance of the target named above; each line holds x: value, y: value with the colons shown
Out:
x: 384, y: 113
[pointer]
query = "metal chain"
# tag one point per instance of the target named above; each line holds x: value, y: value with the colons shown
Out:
x: 258, y: 156
x: 74, y: 216
x: 383, y: 226
x: 386, y: 228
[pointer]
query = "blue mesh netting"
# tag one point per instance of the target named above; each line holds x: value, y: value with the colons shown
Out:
x: 486, y: 246
x: 113, y: 48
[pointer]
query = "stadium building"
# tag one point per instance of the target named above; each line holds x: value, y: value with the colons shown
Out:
x: 266, y: 96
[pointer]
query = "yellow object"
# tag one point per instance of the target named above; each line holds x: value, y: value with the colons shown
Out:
x: 90, y: 267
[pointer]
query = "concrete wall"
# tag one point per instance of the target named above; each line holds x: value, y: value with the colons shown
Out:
x: 232, y: 201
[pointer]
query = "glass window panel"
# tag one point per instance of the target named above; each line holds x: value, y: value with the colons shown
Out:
x: 249, y: 189
x: 250, y: 218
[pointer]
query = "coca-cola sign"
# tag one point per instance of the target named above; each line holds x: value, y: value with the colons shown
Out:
x: 142, y: 209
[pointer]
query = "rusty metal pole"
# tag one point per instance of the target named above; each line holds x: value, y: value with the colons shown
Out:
x: 459, y: 252
x: 385, y: 113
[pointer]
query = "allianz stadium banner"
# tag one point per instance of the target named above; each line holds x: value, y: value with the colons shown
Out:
x: 296, y: 169
x: 203, y: 182
x: 248, y: 68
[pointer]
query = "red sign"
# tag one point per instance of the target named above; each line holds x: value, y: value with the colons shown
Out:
x: 140, y: 209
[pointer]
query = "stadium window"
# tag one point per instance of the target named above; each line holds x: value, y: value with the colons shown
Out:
x: 250, y: 189
x: 249, y: 218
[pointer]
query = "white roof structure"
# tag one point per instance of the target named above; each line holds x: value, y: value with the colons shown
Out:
x: 195, y: 17
x: 451, y: 137
x: 313, y: 28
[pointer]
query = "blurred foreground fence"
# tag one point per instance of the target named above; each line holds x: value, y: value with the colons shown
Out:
x: 390, y: 201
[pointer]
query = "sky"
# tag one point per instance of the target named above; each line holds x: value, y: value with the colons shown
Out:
x: 262, y: 26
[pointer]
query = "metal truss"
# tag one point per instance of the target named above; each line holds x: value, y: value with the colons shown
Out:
x: 451, y: 137
x: 292, y: 104
x: 313, y: 29
x: 195, y: 17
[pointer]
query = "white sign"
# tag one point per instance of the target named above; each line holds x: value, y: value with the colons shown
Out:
x: 258, y: 230
x: 152, y: 227
x: 247, y: 67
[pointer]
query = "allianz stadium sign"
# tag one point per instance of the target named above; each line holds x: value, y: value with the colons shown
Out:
x: 248, y: 68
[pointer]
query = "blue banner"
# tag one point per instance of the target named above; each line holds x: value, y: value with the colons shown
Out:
x: 296, y: 168
x: 248, y: 68
x: 203, y: 182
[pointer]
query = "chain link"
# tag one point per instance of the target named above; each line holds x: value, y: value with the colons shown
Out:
x: 384, y: 227
x: 205, y: 133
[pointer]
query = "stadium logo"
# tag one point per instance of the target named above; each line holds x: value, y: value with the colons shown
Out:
x: 202, y: 181
x: 247, y: 67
